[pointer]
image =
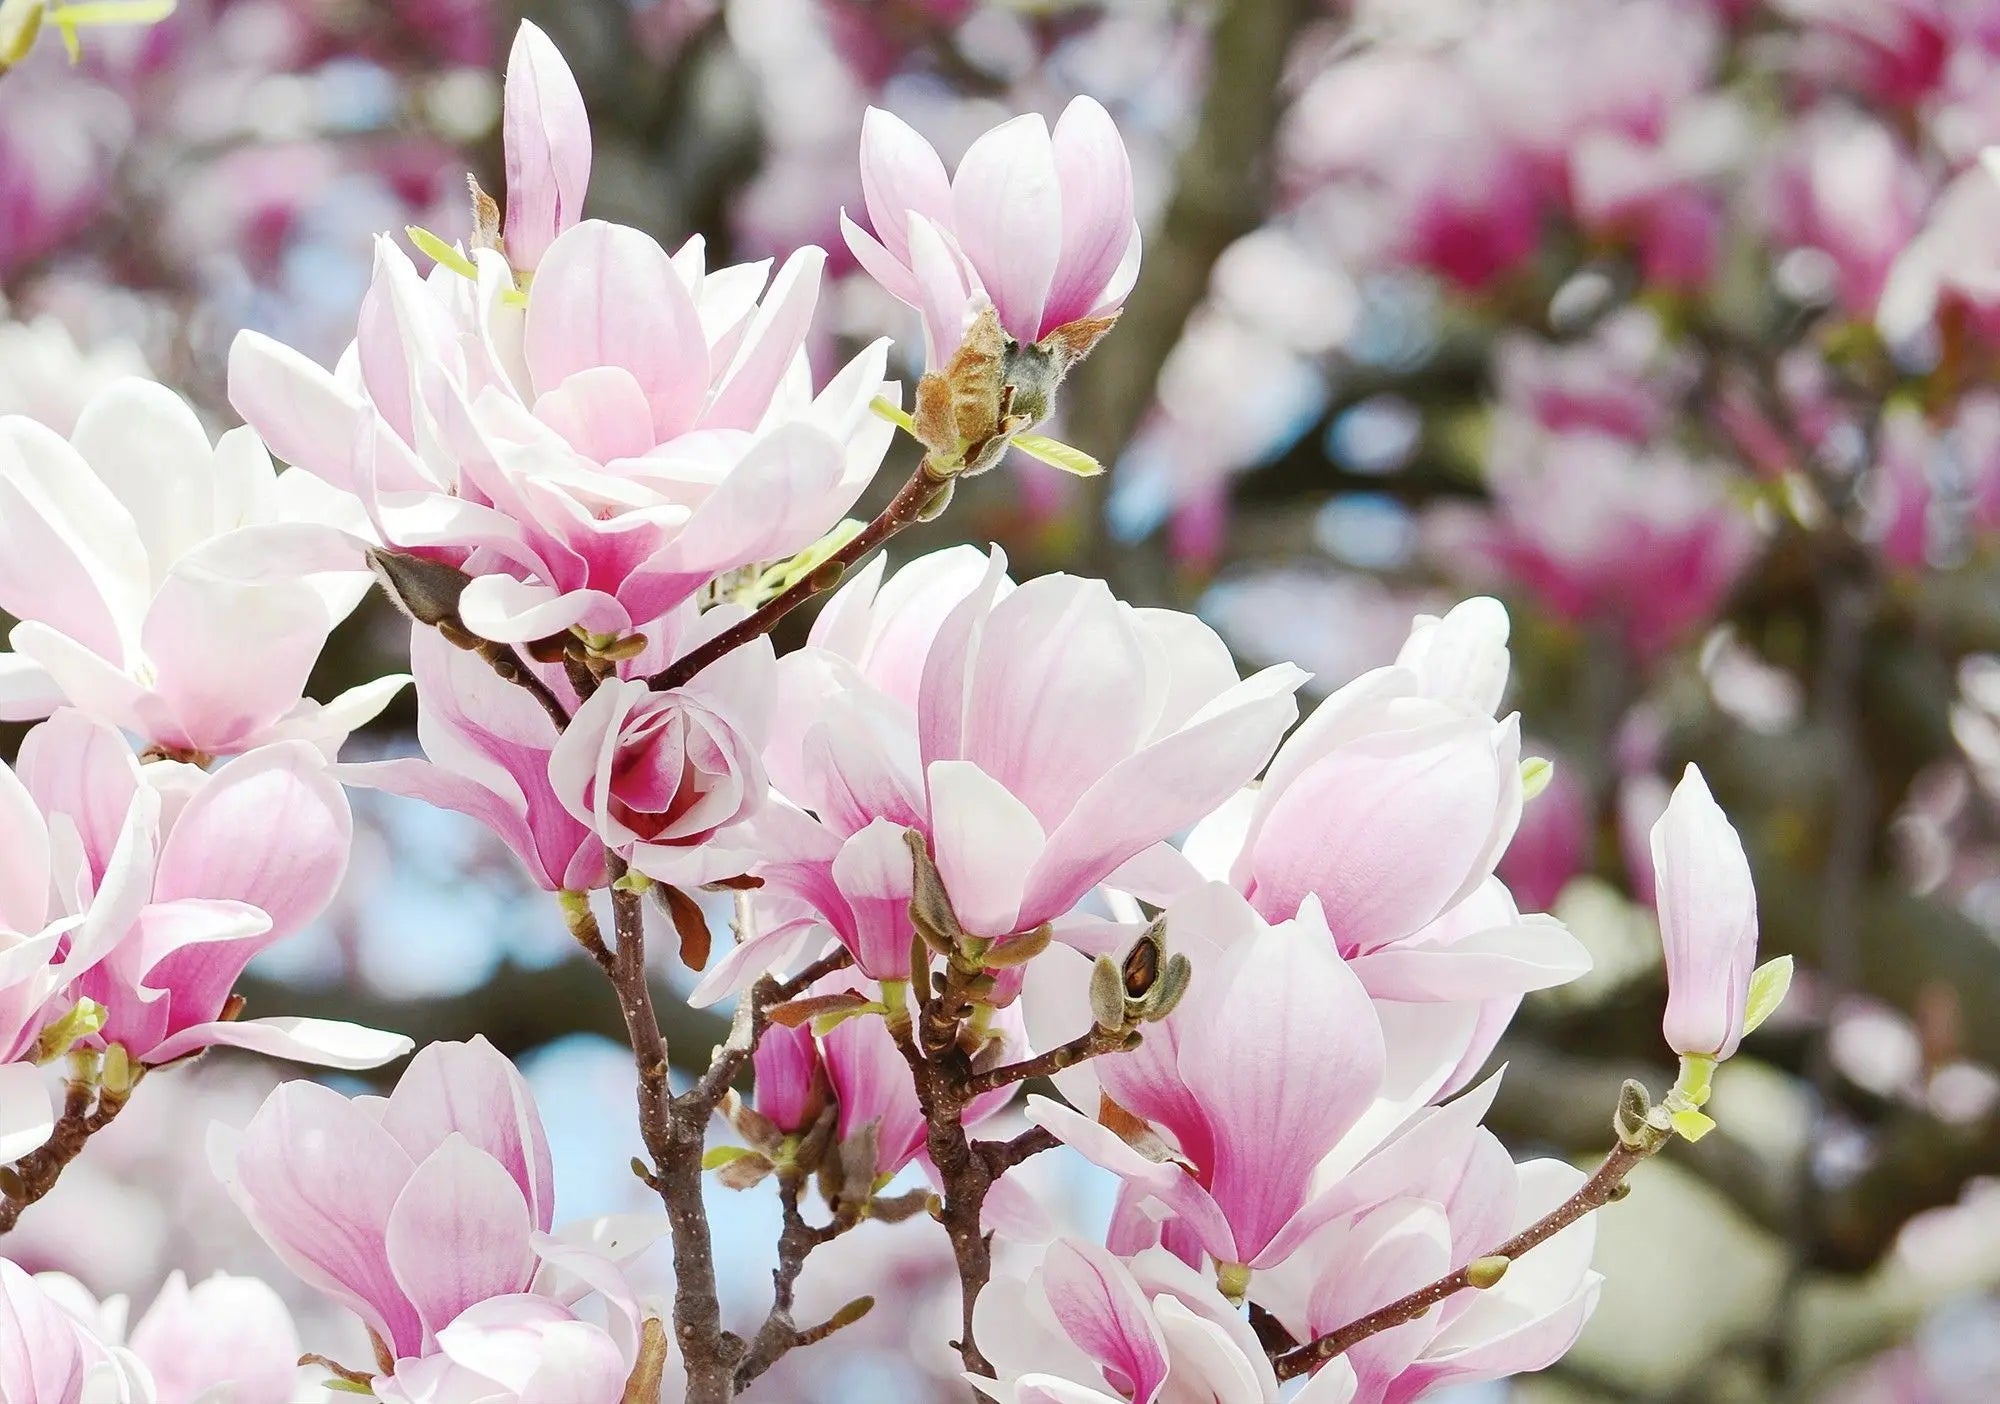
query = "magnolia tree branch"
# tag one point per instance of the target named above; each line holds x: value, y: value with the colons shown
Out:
x: 780, y: 1334
x: 1599, y: 1190
x: 905, y: 509
x: 87, y: 1109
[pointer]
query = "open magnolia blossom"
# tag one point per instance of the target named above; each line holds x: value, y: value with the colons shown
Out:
x: 977, y: 831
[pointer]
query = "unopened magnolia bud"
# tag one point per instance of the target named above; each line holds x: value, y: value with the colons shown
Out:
x: 1486, y: 1272
x: 427, y: 591
x: 1628, y: 1122
x: 1107, y: 994
x: 850, y: 1313
x: 116, y: 1074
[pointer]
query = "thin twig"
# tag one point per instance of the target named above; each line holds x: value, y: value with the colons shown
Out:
x: 1097, y: 1042
x: 905, y: 509
x: 1002, y: 1156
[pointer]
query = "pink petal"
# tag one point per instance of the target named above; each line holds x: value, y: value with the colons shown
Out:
x: 472, y: 1090
x: 271, y: 829
x: 900, y: 175
x: 606, y: 295
x: 300, y: 410
x: 1095, y: 177
x: 458, y: 1234
x: 546, y: 133
x: 1101, y: 1308
x: 1007, y: 213
x: 985, y: 841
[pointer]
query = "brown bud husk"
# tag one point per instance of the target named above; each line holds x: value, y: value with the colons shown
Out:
x: 930, y: 905
x: 1166, y: 993
x: 1019, y: 950
x: 1107, y: 994
x: 1629, y: 1120
x: 485, y: 215
x: 1143, y: 961
x: 426, y: 591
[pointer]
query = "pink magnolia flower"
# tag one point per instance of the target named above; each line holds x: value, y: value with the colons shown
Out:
x: 1042, y: 737
x: 670, y: 778
x: 227, y: 1338
x: 1646, y: 542
x: 1708, y: 921
x: 1623, y: 379
x: 513, y: 1350
x: 176, y: 589
x: 1039, y: 223
x: 44, y: 1362
x: 596, y: 456
x: 60, y: 138
x: 408, y: 1210
x: 46, y: 375
x: 546, y: 136
x: 1242, y: 1145
x: 191, y: 874
x: 1087, y: 1327
x: 486, y: 746
x: 1390, y: 808
x: 1468, y: 1203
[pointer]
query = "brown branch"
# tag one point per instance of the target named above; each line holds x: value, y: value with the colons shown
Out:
x: 1599, y: 1190
x: 1097, y: 1042
x: 905, y: 509
x: 810, y: 976
x: 87, y: 1109
x: 779, y: 1334
x: 1002, y: 1156
x: 674, y: 1137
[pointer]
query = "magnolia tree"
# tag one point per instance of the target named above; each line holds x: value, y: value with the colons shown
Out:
x: 979, y: 836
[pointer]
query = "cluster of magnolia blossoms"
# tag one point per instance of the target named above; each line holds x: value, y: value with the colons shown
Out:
x: 978, y: 831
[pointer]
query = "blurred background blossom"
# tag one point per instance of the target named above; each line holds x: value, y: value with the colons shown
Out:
x: 1672, y: 322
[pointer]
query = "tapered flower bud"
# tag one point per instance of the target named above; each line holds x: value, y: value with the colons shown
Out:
x: 1708, y: 921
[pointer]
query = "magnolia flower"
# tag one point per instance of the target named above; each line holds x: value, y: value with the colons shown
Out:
x: 1238, y: 1145
x: 513, y: 1350
x: 1041, y: 737
x: 1466, y: 1205
x: 546, y: 137
x: 487, y: 745
x: 226, y: 1340
x: 406, y: 1211
x: 176, y: 589
x: 667, y: 777
x: 181, y: 877
x: 1598, y: 531
x: 596, y: 457
x: 1086, y: 1327
x: 1038, y: 223
x: 1390, y: 808
x: 45, y: 1359
x: 46, y: 375
x: 1949, y: 265
x: 790, y: 1078
x: 1708, y: 921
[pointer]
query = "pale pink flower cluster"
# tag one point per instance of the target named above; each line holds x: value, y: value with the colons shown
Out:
x: 577, y: 461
